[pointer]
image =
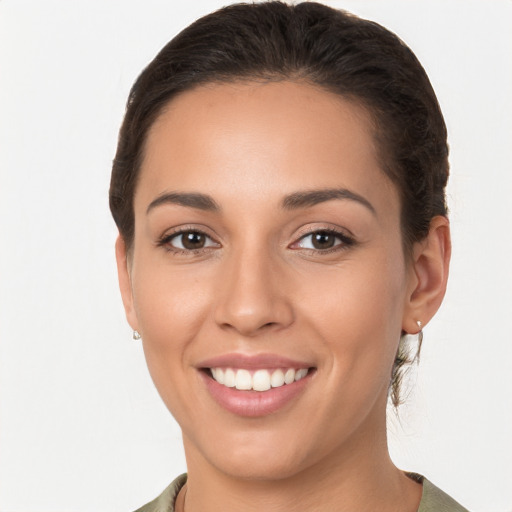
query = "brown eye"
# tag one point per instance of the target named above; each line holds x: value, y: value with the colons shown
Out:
x: 190, y: 241
x: 323, y: 240
x: 193, y: 240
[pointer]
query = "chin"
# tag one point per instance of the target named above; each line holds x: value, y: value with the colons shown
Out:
x: 259, y: 455
x: 258, y: 468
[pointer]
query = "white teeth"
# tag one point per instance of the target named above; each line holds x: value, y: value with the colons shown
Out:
x: 229, y: 378
x: 300, y: 374
x: 289, y: 376
x: 260, y: 380
x: 218, y: 375
x: 243, y: 380
x: 277, y: 379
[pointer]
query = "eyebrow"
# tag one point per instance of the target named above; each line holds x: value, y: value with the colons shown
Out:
x: 190, y: 199
x: 297, y: 200
x: 308, y: 198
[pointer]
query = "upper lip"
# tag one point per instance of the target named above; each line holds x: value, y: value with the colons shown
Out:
x: 247, y: 361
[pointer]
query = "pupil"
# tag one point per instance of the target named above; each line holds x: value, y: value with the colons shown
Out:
x: 323, y: 240
x: 193, y: 240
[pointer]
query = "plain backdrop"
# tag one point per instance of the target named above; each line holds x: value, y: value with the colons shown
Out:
x: 81, y: 425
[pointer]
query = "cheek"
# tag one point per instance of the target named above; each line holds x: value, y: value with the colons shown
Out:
x: 359, y: 317
x: 171, y: 307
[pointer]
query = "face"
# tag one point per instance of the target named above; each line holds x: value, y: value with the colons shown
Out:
x: 267, y: 257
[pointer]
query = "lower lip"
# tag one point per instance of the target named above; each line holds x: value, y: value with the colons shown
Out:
x: 254, y: 403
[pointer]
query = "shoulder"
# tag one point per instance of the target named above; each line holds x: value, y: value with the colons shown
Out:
x: 434, y: 499
x: 165, y: 502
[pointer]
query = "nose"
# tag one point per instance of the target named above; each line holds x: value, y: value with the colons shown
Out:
x: 252, y: 295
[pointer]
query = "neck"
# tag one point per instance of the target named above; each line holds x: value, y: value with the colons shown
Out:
x: 358, y: 477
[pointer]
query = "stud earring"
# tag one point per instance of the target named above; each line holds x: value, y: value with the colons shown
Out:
x: 136, y: 335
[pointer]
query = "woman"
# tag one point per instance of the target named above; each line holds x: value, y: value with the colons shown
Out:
x: 279, y: 192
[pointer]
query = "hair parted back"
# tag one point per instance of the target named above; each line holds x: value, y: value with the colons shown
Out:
x: 309, y: 42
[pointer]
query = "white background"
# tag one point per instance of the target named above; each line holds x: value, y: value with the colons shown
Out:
x: 81, y: 426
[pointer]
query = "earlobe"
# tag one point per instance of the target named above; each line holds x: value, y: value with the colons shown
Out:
x: 125, y: 285
x: 431, y: 260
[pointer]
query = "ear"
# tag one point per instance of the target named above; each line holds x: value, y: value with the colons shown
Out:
x: 429, y: 275
x: 125, y: 285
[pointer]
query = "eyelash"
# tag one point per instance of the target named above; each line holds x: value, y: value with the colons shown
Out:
x: 346, y: 241
x: 165, y: 241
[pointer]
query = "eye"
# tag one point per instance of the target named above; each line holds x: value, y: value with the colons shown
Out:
x: 190, y: 240
x: 323, y: 240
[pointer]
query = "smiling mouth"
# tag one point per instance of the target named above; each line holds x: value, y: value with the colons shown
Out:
x: 257, y: 380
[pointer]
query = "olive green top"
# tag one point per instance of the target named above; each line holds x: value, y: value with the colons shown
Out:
x: 432, y: 499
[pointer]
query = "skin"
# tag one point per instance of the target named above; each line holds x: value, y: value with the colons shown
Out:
x: 259, y: 286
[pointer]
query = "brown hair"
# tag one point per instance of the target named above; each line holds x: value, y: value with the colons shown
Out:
x: 332, y: 49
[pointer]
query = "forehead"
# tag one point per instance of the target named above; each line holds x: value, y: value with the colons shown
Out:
x: 262, y: 140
